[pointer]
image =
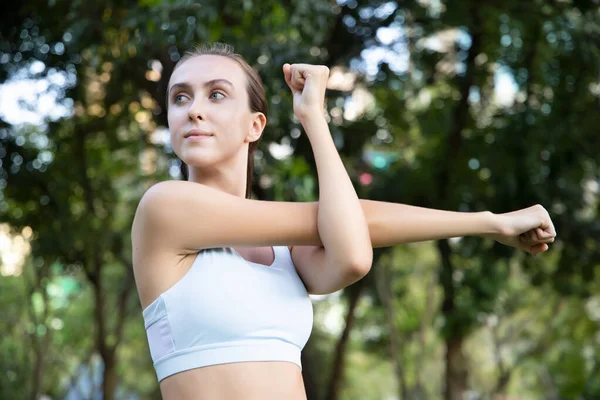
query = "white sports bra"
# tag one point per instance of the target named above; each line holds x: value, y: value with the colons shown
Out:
x: 226, y: 310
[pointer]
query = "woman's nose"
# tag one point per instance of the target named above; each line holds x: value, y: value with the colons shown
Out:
x: 196, y: 111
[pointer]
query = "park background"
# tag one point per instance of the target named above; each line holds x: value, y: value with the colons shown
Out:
x: 457, y: 105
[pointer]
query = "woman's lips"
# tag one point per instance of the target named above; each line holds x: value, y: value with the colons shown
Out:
x: 197, y: 135
x: 198, y: 138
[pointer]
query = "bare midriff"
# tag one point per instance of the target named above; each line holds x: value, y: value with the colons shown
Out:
x: 243, y: 381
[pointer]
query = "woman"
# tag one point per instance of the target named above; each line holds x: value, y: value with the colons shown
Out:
x: 223, y: 279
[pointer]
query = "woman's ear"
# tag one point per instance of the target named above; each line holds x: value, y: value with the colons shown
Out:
x: 256, y: 129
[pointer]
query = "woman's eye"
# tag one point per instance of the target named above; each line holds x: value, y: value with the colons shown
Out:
x: 179, y: 98
x: 217, y: 96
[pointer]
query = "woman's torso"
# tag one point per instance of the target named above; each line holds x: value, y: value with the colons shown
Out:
x: 233, y: 380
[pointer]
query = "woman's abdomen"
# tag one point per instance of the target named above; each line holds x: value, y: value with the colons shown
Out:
x: 243, y: 381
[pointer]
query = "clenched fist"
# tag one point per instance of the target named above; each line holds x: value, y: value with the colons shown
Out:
x: 530, y: 229
x: 308, y: 84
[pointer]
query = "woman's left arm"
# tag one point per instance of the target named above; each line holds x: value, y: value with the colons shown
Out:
x: 346, y: 253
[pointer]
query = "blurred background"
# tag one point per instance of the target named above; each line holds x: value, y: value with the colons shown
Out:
x: 457, y: 105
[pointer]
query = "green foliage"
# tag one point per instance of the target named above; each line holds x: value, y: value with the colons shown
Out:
x: 434, y: 133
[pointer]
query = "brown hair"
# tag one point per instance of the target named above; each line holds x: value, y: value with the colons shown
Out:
x: 256, y: 94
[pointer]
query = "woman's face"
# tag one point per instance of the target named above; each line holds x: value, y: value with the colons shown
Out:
x: 209, y: 115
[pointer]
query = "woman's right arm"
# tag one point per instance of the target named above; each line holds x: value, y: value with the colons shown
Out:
x: 185, y: 217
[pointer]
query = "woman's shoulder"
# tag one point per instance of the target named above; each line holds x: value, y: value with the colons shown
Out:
x: 165, y: 198
x: 169, y: 189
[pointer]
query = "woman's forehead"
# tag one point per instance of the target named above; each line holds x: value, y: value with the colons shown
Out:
x: 198, y: 70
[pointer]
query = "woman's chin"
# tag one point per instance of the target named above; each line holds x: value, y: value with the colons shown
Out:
x: 199, y: 159
x: 204, y: 164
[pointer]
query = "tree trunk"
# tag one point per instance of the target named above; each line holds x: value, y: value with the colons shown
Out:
x: 108, y: 351
x: 93, y: 269
x: 426, y: 322
x: 110, y: 378
x: 383, y: 283
x: 456, y: 370
x: 40, y: 344
x: 41, y: 347
x: 337, y: 370
x: 37, y: 372
x: 311, y: 385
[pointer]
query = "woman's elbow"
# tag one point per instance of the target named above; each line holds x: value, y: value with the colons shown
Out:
x: 360, y: 265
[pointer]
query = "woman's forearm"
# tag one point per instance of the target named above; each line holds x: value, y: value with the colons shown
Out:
x: 341, y: 223
x: 394, y: 223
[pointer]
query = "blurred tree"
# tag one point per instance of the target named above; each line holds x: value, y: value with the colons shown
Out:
x: 466, y: 149
x: 116, y: 60
x: 494, y: 106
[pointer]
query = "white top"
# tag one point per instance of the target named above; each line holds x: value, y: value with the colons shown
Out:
x: 225, y: 310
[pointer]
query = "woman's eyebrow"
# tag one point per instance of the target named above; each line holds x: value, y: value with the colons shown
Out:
x: 181, y: 86
x: 221, y: 81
